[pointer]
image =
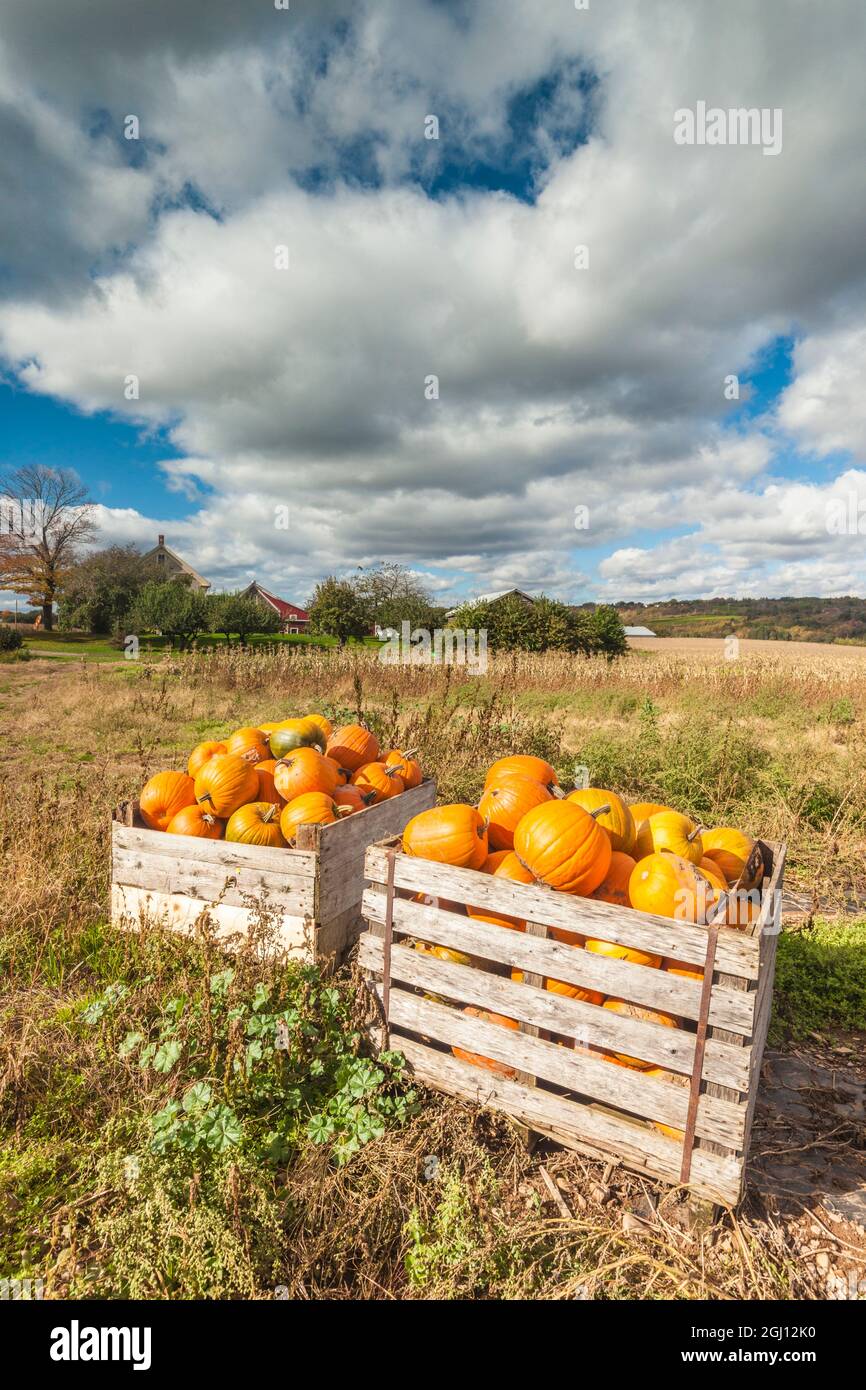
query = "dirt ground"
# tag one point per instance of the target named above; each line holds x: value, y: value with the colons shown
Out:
x: 782, y: 652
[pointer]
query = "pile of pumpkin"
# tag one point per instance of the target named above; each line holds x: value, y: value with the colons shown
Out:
x: 260, y: 785
x: 589, y: 844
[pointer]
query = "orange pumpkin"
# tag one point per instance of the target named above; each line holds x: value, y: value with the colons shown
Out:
x: 504, y: 804
x: 730, y: 850
x: 587, y: 996
x: 201, y: 754
x: 668, y: 830
x: 305, y: 770
x: 510, y: 867
x: 249, y: 745
x: 453, y: 834
x: 194, y: 820
x: 642, y: 810
x: 683, y: 968
x: 424, y: 948
x: 312, y: 808
x: 225, y: 783
x: 267, y: 786
x: 524, y: 765
x: 497, y: 857
x: 487, y: 1063
x: 408, y: 768
x: 353, y: 746
x: 163, y: 796
x: 710, y: 869
x: 623, y: 1006
x: 614, y: 886
x: 614, y: 951
x: 384, y: 782
x: 354, y: 798
x: 256, y: 824
x: 669, y: 886
x: 617, y: 821
x: 562, y: 846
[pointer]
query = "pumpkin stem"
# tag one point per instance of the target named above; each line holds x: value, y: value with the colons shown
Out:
x: 208, y: 818
x: 207, y: 797
x: 269, y: 814
x: 697, y: 830
x: 601, y: 810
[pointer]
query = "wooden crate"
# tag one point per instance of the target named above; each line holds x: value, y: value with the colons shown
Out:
x: 575, y: 1096
x: 315, y: 889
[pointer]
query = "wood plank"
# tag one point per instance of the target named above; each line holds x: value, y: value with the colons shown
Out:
x: 343, y: 846
x: 673, y: 1048
x: 558, y: 961
x: 576, y: 1072
x: 297, y: 863
x: 164, y: 874
x: 578, y: 1126
x: 737, y: 952
x: 133, y: 908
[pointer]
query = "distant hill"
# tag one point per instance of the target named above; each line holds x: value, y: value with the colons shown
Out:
x: 774, y: 619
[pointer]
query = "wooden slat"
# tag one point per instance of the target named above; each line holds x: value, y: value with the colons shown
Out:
x: 137, y: 907
x: 578, y: 1126
x: 738, y: 953
x: 342, y: 846
x: 296, y: 863
x: 162, y: 873
x: 576, y: 1072
x: 673, y: 1048
x: 639, y: 983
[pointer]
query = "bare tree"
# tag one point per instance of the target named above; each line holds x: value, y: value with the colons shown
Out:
x: 45, y: 519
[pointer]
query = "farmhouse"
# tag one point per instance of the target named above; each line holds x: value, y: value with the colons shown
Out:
x: 172, y: 566
x: 292, y: 618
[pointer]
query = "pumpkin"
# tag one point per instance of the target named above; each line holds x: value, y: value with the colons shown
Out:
x: 424, y: 948
x: 614, y: 886
x: 249, y: 745
x: 670, y: 886
x: 312, y: 808
x: 668, y: 830
x: 195, y: 820
x: 622, y: 1006
x: 295, y: 733
x: 524, y: 765
x: 730, y: 850
x: 683, y: 968
x: 305, y: 770
x: 322, y: 723
x: 225, y: 783
x: 453, y: 834
x: 673, y: 1078
x: 587, y: 996
x: 163, y: 796
x: 710, y: 869
x: 504, y: 804
x: 407, y: 767
x: 355, y: 798
x: 353, y: 746
x: 562, y: 846
x: 384, y: 782
x: 267, y: 729
x: 617, y: 819
x: 614, y: 951
x: 256, y: 824
x: 510, y: 867
x: 487, y: 1063
x: 499, y: 856
x: 642, y: 810
x: 267, y: 786
x: 201, y: 754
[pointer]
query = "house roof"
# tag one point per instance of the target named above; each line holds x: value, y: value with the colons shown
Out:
x: 638, y: 632
x: 187, y: 569
x: 287, y: 611
x: 503, y: 593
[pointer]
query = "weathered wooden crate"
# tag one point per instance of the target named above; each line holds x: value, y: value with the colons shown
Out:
x: 569, y: 1095
x: 313, y: 893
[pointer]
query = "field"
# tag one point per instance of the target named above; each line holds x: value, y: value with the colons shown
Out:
x: 326, y: 1173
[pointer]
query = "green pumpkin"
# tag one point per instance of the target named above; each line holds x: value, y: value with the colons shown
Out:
x: 295, y: 733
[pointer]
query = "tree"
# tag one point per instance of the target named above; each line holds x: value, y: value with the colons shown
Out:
x: 545, y: 625
x: 173, y: 608
x: 233, y: 613
x: 99, y: 591
x: 391, y: 595
x: 336, y: 610
x: 45, y: 519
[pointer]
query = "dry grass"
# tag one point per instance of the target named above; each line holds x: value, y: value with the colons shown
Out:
x: 778, y: 748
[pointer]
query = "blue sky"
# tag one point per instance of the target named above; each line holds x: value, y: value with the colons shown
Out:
x: 453, y: 258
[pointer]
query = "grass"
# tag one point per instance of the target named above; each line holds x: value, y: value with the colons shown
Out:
x: 66, y: 645
x: 155, y: 1140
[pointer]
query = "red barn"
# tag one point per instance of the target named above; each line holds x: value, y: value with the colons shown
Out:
x: 292, y: 618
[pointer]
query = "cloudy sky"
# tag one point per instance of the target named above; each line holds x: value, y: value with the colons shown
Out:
x: 283, y: 260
